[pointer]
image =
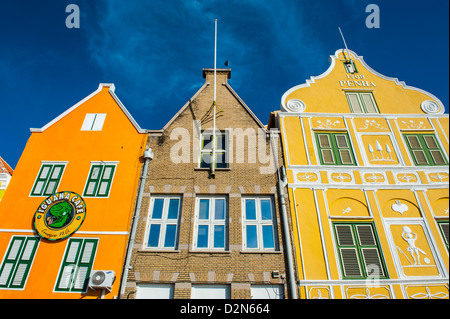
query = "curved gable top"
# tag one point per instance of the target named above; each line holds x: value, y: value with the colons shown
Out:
x: 326, y: 93
x: 111, y: 89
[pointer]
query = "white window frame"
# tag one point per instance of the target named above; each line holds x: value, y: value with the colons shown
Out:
x: 225, y: 150
x: 259, y: 223
x: 164, y: 221
x: 155, y: 291
x: 211, y: 292
x: 211, y: 223
x: 93, y: 122
x: 267, y: 291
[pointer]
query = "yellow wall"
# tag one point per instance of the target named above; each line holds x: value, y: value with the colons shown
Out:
x: 106, y: 219
x: 384, y: 188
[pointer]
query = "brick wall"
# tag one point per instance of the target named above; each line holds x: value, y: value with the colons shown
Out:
x: 185, y: 267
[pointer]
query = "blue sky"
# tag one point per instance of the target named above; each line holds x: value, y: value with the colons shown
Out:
x: 154, y: 52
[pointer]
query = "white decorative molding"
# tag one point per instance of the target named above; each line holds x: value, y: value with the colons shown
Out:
x: 295, y: 105
x: 374, y: 178
x: 306, y: 177
x: 431, y: 107
x: 407, y: 178
x: 341, y: 177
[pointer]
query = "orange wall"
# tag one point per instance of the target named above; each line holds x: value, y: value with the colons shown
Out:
x: 118, y: 141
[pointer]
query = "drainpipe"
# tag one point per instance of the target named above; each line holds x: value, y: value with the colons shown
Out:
x: 287, y: 238
x: 148, y: 155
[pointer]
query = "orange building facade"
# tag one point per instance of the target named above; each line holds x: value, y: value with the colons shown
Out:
x: 65, y: 217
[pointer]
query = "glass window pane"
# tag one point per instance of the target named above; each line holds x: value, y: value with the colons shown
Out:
x: 204, y: 209
x: 202, y: 236
x: 266, y: 210
x: 173, y: 208
x: 56, y: 172
x: 252, y: 237
x: 219, y: 209
x: 44, y: 172
x: 157, y: 208
x: 206, y: 160
x: 153, y: 237
x: 38, y: 187
x: 107, y: 173
x: 250, y: 210
x: 91, y: 188
x: 268, y: 239
x: 207, y: 139
x: 95, y: 172
x: 221, y: 160
x: 219, y: 236
x: 221, y: 142
x: 103, y: 188
x: 171, y: 231
x: 50, y: 188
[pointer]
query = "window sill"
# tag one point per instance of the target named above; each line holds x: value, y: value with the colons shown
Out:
x: 208, y: 169
x: 261, y: 252
x: 209, y: 252
x: 146, y: 250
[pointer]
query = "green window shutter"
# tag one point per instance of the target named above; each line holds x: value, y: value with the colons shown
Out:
x: 443, y: 225
x: 106, y: 180
x: 362, y: 102
x: 369, y: 102
x: 99, y: 180
x: 47, y: 180
x: 335, y: 149
x: 77, y: 265
x: 354, y: 102
x: 425, y: 150
x: 17, y: 263
x: 358, y: 251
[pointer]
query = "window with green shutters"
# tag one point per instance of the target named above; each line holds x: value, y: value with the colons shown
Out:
x: 425, y: 150
x: 17, y: 262
x: 362, y: 102
x: 99, y: 180
x: 76, y: 265
x: 48, y: 179
x: 443, y: 226
x: 335, y: 149
x: 359, y: 251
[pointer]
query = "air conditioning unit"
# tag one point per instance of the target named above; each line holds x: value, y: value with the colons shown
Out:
x: 102, y: 279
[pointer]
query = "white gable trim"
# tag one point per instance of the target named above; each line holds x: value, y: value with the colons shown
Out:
x: 334, y: 57
x: 99, y: 89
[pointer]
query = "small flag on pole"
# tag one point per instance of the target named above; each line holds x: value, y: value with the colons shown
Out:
x: 226, y: 63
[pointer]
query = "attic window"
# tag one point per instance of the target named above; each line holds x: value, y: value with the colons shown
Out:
x: 93, y: 122
x: 350, y: 67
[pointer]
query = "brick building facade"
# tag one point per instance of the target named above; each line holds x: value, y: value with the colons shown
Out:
x: 198, y: 236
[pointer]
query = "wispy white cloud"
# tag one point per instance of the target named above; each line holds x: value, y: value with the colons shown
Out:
x: 165, y: 44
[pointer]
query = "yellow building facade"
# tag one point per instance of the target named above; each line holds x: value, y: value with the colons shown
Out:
x: 366, y: 158
x: 66, y: 214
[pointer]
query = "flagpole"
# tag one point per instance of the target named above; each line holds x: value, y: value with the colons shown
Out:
x: 343, y: 39
x: 213, y: 161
